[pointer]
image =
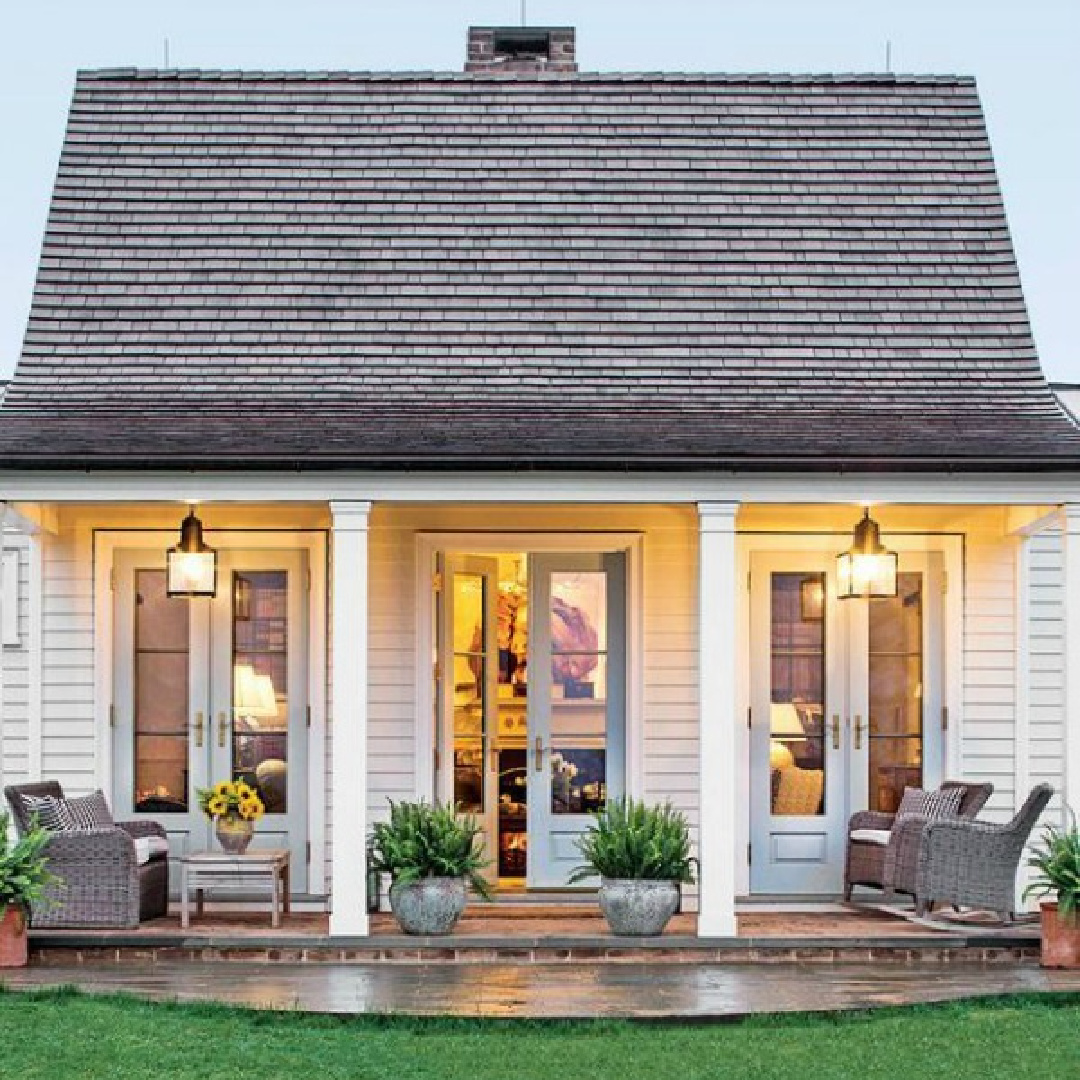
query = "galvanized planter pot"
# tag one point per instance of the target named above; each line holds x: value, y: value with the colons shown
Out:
x: 429, y: 906
x: 637, y: 908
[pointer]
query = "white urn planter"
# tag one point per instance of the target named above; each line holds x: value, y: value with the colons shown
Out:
x: 636, y: 907
x: 430, y: 906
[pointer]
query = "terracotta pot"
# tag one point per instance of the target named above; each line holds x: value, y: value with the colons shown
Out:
x: 14, y: 941
x: 1060, y: 938
x: 234, y: 834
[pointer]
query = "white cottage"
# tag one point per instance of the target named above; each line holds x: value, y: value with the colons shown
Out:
x: 527, y: 412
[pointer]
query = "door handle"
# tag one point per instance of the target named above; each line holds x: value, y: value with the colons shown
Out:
x: 858, y: 732
x: 538, y: 754
x: 222, y: 729
x: 836, y: 731
x: 199, y: 728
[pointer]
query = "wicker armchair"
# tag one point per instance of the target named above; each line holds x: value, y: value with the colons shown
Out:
x: 974, y: 863
x: 875, y: 864
x: 99, y: 881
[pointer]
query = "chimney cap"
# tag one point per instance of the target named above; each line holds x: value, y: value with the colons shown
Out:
x: 521, y: 49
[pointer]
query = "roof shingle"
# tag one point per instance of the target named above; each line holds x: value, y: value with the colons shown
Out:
x: 474, y: 270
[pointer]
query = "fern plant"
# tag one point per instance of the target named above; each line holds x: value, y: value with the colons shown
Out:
x: 1057, y: 862
x: 23, y: 873
x: 629, y: 839
x: 423, y: 840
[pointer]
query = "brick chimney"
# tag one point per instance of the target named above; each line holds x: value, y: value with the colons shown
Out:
x: 521, y: 49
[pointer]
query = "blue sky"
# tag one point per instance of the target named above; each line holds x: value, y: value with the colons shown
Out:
x: 1023, y: 52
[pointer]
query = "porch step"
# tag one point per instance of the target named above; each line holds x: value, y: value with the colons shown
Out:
x: 527, y: 950
x: 485, y: 935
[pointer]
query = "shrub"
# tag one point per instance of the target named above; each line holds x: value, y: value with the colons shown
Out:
x: 23, y: 873
x: 631, y: 840
x: 1057, y: 861
x: 422, y: 840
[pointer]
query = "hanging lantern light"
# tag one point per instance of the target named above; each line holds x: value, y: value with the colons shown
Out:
x: 191, y: 566
x: 867, y: 568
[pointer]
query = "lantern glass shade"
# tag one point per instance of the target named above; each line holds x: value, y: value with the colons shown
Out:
x: 191, y: 566
x: 867, y: 568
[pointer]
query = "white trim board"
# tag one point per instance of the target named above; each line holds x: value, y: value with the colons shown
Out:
x: 106, y: 542
x: 1041, y: 488
x: 429, y: 543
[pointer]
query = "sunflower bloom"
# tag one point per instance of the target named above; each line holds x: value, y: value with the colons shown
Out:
x: 216, y: 806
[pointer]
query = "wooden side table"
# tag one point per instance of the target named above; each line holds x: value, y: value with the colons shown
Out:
x: 261, y: 869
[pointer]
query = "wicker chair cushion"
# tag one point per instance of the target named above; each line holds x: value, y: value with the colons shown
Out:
x: 944, y: 803
x: 149, y: 847
x: 870, y: 836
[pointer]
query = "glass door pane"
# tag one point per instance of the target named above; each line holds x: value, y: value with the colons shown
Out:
x: 160, y: 701
x: 797, y: 759
x: 260, y: 683
x: 468, y: 676
x: 895, y: 689
x: 468, y: 662
x: 578, y: 627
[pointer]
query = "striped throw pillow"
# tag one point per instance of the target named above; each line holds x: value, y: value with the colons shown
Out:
x: 46, y: 809
x: 944, y: 803
x: 86, y: 812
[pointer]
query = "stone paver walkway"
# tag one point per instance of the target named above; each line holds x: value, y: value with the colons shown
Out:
x: 552, y: 990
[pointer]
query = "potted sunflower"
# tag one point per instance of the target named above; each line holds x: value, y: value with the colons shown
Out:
x: 233, y: 806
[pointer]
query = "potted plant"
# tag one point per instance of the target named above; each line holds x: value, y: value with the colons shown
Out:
x: 23, y: 878
x: 433, y: 855
x: 642, y: 856
x: 233, y: 806
x: 1057, y: 862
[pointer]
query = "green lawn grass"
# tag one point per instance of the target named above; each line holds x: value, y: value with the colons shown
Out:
x: 64, y: 1036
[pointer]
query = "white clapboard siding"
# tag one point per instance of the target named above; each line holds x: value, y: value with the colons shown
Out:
x: 989, y: 677
x: 1045, y: 631
x: 67, y: 663
x: 14, y: 675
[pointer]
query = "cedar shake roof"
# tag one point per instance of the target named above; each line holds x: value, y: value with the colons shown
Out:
x: 539, y: 271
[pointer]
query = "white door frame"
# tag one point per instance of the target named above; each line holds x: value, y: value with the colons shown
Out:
x: 428, y: 544
x: 951, y: 548
x: 106, y: 542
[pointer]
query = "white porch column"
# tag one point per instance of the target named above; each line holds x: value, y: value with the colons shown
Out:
x: 717, y: 724
x: 349, y: 698
x: 1071, y: 620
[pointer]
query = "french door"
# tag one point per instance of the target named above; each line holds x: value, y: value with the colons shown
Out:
x: 213, y: 689
x: 532, y: 702
x: 846, y: 710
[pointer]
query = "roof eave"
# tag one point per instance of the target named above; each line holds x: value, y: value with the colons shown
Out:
x: 446, y: 463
